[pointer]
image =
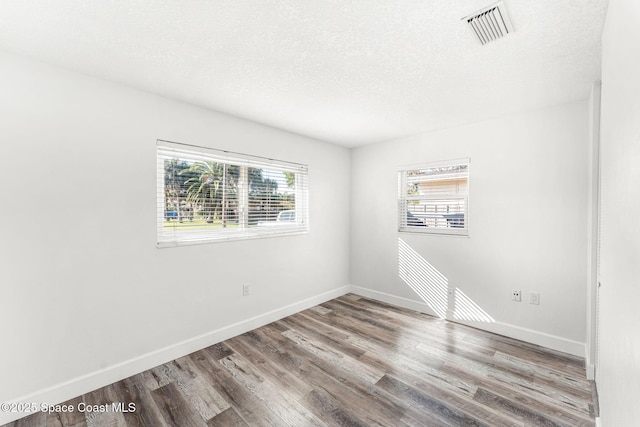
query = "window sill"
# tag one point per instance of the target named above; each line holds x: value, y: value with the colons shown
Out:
x: 230, y: 238
x: 435, y: 231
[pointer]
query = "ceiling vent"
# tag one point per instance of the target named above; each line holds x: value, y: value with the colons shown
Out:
x: 490, y: 23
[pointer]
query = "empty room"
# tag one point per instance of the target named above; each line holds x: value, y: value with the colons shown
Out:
x: 293, y: 213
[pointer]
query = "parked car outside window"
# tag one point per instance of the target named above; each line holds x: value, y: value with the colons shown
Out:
x: 286, y: 216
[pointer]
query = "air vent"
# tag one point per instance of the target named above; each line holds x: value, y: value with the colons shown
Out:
x: 490, y: 23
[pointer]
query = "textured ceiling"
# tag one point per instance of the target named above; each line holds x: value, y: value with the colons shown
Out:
x: 346, y: 71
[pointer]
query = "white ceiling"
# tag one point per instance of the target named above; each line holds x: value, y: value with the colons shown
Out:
x: 346, y: 71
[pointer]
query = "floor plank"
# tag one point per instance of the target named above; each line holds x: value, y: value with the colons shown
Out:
x: 227, y: 418
x: 175, y: 408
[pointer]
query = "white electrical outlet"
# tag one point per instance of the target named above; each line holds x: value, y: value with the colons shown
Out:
x: 246, y: 289
x: 516, y: 295
x: 534, y: 298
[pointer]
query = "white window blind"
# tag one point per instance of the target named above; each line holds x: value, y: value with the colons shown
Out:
x: 434, y: 198
x: 207, y: 195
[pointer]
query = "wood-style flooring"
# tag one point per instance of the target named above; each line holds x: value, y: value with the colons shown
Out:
x: 350, y: 362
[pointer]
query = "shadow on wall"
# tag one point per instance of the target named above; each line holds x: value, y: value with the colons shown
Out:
x: 433, y: 288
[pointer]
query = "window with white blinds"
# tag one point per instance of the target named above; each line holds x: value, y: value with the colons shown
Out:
x: 206, y: 195
x: 434, y: 198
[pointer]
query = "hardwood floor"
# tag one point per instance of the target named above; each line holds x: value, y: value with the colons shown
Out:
x: 355, y: 362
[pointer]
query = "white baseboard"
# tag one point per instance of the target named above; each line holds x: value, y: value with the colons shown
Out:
x: 531, y: 336
x: 589, y: 362
x: 591, y: 371
x: 393, y: 300
x: 78, y: 386
x: 598, y: 422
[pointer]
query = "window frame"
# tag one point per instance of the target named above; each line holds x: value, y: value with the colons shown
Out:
x: 404, y: 199
x: 243, y: 230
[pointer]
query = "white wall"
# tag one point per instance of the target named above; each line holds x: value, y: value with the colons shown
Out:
x: 618, y: 374
x: 84, y: 288
x: 528, y: 200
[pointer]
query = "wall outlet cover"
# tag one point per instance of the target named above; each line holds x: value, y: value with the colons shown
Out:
x: 534, y: 298
x: 516, y: 295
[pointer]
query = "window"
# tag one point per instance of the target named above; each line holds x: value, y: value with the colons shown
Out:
x: 434, y: 198
x: 207, y: 195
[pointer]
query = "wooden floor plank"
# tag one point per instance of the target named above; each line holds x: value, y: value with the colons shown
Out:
x: 174, y: 407
x: 431, y: 407
x: 250, y: 409
x: 350, y: 361
x: 131, y: 390
x: 277, y: 400
x: 98, y: 411
x: 344, y: 385
x: 527, y: 413
x: 485, y: 372
x: 67, y: 418
x: 204, y: 399
x: 325, y: 406
x: 523, y: 397
x: 322, y: 333
x: 227, y: 418
x: 464, y: 403
x: 272, y: 368
x: 37, y: 419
